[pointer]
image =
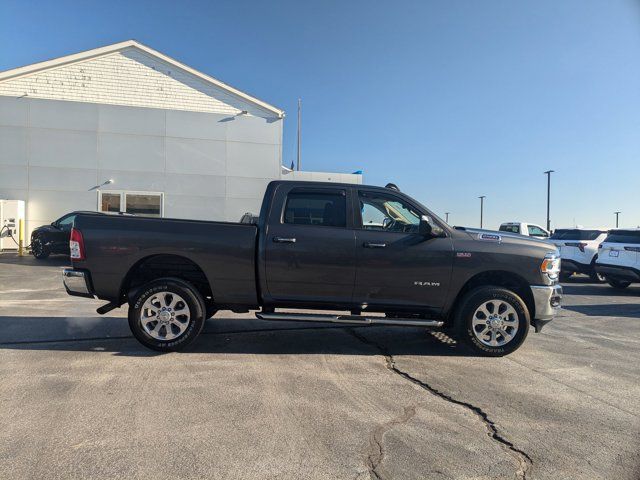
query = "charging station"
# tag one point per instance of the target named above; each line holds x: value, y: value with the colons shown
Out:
x: 11, y: 219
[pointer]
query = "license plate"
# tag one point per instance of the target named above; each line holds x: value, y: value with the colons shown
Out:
x: 614, y: 253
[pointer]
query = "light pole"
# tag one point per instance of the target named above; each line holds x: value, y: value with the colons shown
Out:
x: 446, y: 219
x: 617, y: 213
x: 482, y: 197
x: 548, y: 174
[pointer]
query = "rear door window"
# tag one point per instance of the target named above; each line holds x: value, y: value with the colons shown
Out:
x: 309, y: 207
x: 510, y: 228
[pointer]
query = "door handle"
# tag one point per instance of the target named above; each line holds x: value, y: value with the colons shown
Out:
x: 284, y: 240
x: 374, y: 245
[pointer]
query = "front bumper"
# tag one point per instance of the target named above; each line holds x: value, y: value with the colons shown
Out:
x: 77, y: 282
x: 547, y: 300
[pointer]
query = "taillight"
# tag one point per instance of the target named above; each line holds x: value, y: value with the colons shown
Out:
x: 579, y: 245
x: 600, y: 246
x: 76, y: 245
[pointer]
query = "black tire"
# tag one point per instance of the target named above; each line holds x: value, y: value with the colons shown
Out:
x: 618, y: 284
x: 39, y: 249
x: 565, y: 276
x: 597, y: 277
x: 196, y: 310
x: 465, y: 316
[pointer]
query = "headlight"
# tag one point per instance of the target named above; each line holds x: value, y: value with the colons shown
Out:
x: 551, y: 265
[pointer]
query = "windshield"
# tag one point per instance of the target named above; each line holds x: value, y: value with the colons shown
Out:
x: 623, y: 236
x: 575, y: 234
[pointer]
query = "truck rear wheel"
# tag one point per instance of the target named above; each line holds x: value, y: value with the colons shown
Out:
x: 493, y: 321
x: 167, y: 314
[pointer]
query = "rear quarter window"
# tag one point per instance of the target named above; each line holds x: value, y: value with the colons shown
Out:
x: 623, y: 236
x: 574, y: 234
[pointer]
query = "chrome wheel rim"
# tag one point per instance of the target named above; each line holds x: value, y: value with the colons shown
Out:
x: 165, y: 316
x: 495, y: 323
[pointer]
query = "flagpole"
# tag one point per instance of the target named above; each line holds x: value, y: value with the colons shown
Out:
x: 299, y: 125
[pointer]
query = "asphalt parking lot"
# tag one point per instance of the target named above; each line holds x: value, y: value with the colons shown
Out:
x: 80, y: 398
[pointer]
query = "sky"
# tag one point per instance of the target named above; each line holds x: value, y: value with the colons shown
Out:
x: 450, y: 100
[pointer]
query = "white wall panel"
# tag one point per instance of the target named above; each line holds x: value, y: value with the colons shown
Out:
x: 236, y: 207
x: 194, y: 207
x: 208, y: 126
x: 253, y: 160
x: 45, y: 205
x: 131, y: 152
x: 130, y: 120
x: 201, y: 185
x: 123, y: 180
x: 209, y: 166
x: 62, y: 148
x: 254, y: 130
x: 67, y: 179
x: 64, y: 115
x: 14, y: 111
x: 13, y: 145
x: 244, y: 187
x: 195, y: 156
x: 13, y: 177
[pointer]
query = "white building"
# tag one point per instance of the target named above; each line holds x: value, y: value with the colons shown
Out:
x: 174, y: 141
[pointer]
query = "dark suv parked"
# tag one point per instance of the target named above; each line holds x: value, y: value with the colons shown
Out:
x: 54, y: 238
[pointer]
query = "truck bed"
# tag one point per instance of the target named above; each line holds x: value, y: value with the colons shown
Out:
x: 225, y: 252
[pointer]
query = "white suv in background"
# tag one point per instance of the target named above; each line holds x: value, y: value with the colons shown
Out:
x: 619, y: 257
x: 528, y: 229
x: 579, y: 250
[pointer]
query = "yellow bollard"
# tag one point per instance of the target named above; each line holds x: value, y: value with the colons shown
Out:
x: 21, y: 238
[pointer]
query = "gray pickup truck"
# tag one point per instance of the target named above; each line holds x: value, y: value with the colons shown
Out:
x: 360, y: 254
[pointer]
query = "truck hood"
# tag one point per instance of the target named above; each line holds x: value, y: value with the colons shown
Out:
x: 482, y: 235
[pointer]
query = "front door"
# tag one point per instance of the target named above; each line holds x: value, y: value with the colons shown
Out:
x: 396, y: 266
x: 310, y: 246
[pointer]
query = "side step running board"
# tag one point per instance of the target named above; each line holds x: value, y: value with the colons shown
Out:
x: 351, y: 319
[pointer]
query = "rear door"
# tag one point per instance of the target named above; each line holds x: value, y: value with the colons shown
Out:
x: 396, y: 265
x: 310, y: 245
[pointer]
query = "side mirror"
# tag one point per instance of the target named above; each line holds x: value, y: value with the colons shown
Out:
x: 425, y: 228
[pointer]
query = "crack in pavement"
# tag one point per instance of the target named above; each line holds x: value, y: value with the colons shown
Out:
x: 522, y: 458
x: 376, y: 448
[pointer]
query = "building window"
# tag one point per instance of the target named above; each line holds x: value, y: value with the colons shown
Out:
x: 110, y: 202
x: 145, y: 204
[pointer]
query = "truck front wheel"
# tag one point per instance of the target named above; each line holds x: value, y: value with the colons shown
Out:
x: 493, y: 321
x: 167, y: 314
